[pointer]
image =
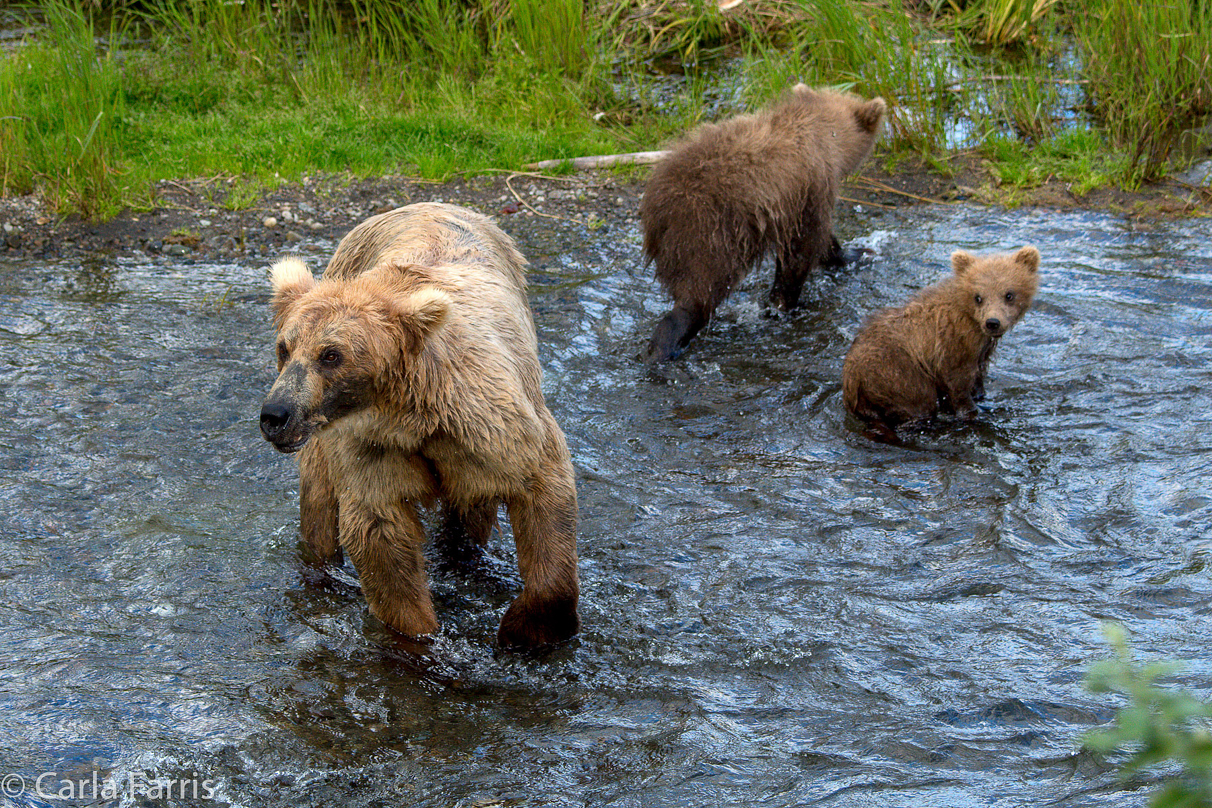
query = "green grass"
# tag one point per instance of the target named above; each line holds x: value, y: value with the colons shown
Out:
x: 1150, y: 69
x: 246, y: 89
x: 995, y: 23
x: 552, y: 34
x: 61, y: 108
x: 1078, y: 157
x: 100, y: 106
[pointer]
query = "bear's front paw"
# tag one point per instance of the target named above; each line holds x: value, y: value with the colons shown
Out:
x: 534, y: 622
x: 411, y: 620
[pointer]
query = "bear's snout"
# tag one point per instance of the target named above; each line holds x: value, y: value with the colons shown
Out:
x: 275, y: 418
x: 993, y: 325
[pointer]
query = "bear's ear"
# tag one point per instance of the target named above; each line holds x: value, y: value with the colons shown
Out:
x: 869, y: 114
x: 961, y: 262
x: 1029, y: 257
x: 290, y: 279
x: 420, y: 314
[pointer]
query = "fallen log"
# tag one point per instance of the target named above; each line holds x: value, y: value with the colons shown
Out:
x: 600, y: 161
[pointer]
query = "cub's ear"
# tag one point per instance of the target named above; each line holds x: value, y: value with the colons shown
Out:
x: 1029, y: 257
x: 290, y: 279
x: 961, y: 262
x: 420, y: 314
x: 870, y: 114
x: 803, y: 91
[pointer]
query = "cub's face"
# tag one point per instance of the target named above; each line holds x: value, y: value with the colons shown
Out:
x: 340, y: 343
x: 1000, y: 287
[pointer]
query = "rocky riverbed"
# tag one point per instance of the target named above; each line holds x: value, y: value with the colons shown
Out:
x: 207, y: 218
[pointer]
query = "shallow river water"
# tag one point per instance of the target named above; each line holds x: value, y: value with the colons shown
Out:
x: 777, y: 611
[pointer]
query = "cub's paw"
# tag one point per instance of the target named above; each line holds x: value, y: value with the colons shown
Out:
x: 671, y: 336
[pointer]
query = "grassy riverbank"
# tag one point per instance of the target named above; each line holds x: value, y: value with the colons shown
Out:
x: 96, y: 106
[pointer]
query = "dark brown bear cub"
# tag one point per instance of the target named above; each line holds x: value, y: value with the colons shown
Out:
x: 733, y: 191
x: 409, y: 377
x: 909, y: 363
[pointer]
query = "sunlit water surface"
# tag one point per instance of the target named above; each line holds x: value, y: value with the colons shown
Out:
x: 777, y: 612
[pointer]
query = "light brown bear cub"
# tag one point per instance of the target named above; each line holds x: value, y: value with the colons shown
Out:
x: 909, y: 363
x: 409, y: 376
x: 733, y: 191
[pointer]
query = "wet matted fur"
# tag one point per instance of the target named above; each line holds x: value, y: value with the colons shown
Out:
x: 409, y: 377
x: 733, y: 191
x: 910, y: 362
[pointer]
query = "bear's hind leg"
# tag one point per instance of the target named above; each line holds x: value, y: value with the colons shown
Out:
x: 835, y: 257
x: 318, y: 509
x: 674, y: 332
x: 807, y: 250
x: 544, y: 523
x: 385, y: 544
x: 466, y: 529
x: 791, y: 268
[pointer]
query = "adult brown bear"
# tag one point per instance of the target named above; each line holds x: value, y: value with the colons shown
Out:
x: 409, y: 376
x: 733, y: 191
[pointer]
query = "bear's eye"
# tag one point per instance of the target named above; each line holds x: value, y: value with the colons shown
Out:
x: 283, y: 353
x: 330, y: 357
x: 979, y: 300
x: 1009, y: 297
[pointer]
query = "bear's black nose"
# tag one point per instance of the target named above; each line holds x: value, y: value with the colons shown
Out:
x: 993, y: 325
x: 274, y: 417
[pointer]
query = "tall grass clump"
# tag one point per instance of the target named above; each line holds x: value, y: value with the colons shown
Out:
x: 1024, y: 98
x: 426, y: 37
x: 62, y: 106
x: 552, y: 33
x: 1149, y: 66
x: 870, y: 49
x: 684, y: 30
x: 819, y: 42
x: 235, y: 34
x: 1159, y: 727
x: 995, y: 23
x: 915, y: 73
x: 14, y: 162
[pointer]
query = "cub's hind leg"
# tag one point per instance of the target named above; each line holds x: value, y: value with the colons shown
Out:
x: 808, y: 249
x: 674, y: 332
